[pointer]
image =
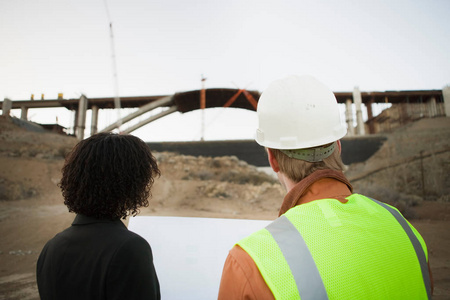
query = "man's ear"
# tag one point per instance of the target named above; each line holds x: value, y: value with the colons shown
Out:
x: 273, y: 161
x: 340, y: 146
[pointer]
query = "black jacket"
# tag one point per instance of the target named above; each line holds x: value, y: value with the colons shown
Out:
x: 97, y: 259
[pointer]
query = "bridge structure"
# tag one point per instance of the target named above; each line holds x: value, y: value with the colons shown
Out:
x: 436, y: 101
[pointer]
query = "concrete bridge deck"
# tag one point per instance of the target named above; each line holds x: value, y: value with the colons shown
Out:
x: 218, y: 97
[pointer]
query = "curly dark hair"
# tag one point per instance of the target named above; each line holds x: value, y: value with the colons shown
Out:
x: 108, y: 176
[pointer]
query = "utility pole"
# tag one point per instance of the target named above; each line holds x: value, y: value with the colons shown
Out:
x: 116, y: 80
x: 114, y: 68
x: 203, y: 106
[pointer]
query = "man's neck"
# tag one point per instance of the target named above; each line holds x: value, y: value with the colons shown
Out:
x: 285, y: 181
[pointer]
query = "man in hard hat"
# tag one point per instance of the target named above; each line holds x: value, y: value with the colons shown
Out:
x: 328, y: 243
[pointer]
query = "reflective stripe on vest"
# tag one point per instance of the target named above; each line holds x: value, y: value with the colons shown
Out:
x: 297, y: 255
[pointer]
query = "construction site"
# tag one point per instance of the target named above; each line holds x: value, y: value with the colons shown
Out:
x: 402, y: 157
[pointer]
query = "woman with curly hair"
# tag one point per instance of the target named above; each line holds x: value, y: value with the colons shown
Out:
x: 106, y: 178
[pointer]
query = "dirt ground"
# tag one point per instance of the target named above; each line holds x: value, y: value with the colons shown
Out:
x: 31, y: 209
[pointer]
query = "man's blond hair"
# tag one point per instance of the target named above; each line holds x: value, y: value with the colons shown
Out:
x: 297, y: 169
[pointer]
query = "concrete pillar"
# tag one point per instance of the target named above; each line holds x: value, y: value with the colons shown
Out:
x: 6, y: 107
x: 94, y: 121
x: 369, y: 110
x: 81, y: 121
x: 349, y: 117
x: 370, y: 117
x: 446, y: 94
x: 432, y: 108
x: 24, y: 113
x: 359, y: 119
x: 75, y: 118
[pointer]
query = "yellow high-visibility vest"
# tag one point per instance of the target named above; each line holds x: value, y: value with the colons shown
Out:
x: 326, y: 249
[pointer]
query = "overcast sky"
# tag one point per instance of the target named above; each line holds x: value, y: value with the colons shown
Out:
x: 161, y: 47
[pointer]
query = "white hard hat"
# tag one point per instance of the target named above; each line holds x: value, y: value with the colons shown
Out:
x: 298, y: 112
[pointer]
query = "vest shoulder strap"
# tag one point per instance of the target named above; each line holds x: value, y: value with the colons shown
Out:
x: 414, y: 241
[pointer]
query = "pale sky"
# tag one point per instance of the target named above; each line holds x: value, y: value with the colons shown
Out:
x: 161, y: 47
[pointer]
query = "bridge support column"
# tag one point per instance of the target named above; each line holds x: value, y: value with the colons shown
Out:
x: 370, y: 117
x: 432, y: 108
x: 7, y: 105
x: 81, y: 120
x: 94, y: 121
x: 24, y: 113
x: 446, y: 94
x: 349, y: 117
x: 359, y: 119
x: 75, y: 120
